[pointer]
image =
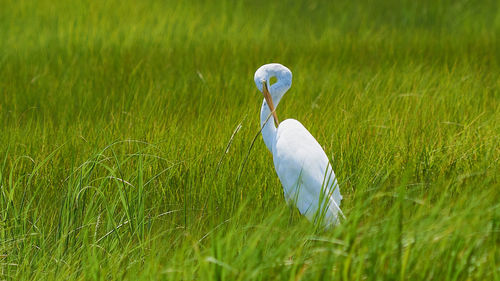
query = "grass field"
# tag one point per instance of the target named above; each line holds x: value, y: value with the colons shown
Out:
x: 126, y: 127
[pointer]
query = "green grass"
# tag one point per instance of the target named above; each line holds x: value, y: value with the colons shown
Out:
x: 125, y: 125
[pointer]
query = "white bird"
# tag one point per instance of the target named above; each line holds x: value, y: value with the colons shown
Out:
x: 301, y: 164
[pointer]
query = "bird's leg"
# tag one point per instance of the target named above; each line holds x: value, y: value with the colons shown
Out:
x: 290, y: 218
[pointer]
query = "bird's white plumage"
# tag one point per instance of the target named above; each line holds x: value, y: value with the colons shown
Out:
x: 301, y: 164
x: 305, y: 172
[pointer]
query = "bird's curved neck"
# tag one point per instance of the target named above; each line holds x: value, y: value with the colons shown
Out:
x: 283, y: 77
x: 267, y: 123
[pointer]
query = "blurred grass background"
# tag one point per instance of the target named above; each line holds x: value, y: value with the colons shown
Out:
x: 116, y: 117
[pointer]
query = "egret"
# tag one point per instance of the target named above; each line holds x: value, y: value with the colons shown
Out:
x: 299, y: 160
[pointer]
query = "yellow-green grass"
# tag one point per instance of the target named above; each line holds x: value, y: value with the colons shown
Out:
x: 126, y: 127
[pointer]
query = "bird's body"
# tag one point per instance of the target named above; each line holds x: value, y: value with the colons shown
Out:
x: 301, y: 164
x: 304, y: 171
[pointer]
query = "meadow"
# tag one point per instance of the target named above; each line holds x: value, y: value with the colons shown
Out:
x: 127, y: 128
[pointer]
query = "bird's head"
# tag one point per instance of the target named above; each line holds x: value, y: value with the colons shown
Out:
x: 283, y: 77
x: 273, y: 93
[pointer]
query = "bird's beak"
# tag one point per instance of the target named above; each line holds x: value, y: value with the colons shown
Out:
x: 269, y: 101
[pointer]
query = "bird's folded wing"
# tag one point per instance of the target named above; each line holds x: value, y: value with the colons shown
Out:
x: 303, y: 168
